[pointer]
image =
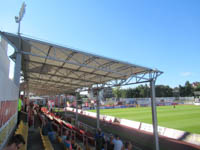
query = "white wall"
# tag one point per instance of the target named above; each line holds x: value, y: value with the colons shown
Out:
x: 8, y: 90
x: 8, y: 96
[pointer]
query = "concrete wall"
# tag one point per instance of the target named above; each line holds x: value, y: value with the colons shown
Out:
x: 8, y: 96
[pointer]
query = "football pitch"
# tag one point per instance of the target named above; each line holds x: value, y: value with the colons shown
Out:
x: 183, y: 117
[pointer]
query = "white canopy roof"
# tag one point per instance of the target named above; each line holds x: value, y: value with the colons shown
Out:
x: 54, y: 69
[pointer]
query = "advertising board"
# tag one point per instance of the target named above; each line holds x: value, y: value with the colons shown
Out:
x: 130, y: 123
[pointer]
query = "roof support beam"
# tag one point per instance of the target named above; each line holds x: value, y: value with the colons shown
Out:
x: 73, y: 63
x: 67, y: 68
x: 85, y: 63
x: 101, y: 66
x: 53, y: 81
x: 58, y: 68
x: 49, y: 86
x: 63, y: 77
x: 45, y: 60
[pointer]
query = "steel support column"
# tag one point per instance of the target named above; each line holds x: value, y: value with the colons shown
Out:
x: 97, y: 109
x: 154, y: 114
x: 76, y: 109
x: 60, y: 100
x: 17, y: 69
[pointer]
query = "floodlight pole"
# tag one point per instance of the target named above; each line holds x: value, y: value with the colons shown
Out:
x: 98, y: 113
x: 76, y: 108
x: 76, y: 111
x: 154, y: 114
x: 17, y: 72
x: 18, y: 64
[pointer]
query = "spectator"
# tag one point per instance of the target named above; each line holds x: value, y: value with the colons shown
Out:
x: 99, y: 137
x: 51, y: 133
x: 68, y: 143
x: 31, y: 114
x: 15, y: 143
x: 44, y: 128
x: 65, y: 135
x: 48, y: 130
x: 25, y: 104
x: 110, y: 145
x: 20, y: 104
x: 41, y: 117
x: 118, y: 145
x: 36, y: 116
x: 73, y: 142
x: 128, y: 146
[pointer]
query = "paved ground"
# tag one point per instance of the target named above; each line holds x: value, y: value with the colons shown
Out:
x: 34, y: 140
x: 58, y: 146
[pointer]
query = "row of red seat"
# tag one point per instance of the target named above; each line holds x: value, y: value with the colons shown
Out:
x: 81, y: 134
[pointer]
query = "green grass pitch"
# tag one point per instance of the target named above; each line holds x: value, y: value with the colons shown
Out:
x: 183, y: 117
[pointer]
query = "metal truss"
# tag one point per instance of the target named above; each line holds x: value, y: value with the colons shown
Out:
x: 145, y: 77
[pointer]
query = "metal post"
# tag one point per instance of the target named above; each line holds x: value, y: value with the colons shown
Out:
x: 27, y: 102
x: 154, y: 114
x: 98, y: 98
x: 65, y: 105
x: 18, y: 65
x: 59, y: 101
x: 18, y: 54
x: 18, y: 28
x: 76, y: 111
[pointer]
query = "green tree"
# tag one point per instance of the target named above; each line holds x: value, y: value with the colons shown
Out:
x: 176, y: 92
x: 164, y: 91
x: 182, y: 90
x: 197, y: 87
x: 188, y: 89
x: 117, y: 93
x: 129, y: 93
x: 123, y: 93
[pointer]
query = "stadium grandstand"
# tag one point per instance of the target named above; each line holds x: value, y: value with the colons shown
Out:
x: 51, y: 72
x: 50, y: 69
x: 39, y: 107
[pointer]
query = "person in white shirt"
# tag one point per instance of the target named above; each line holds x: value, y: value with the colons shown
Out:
x: 118, y: 145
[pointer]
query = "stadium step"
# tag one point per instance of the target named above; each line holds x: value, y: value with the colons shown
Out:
x: 34, y: 140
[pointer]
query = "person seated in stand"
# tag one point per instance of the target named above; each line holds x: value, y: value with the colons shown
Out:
x: 30, y: 114
x: 67, y: 143
x: 128, y: 146
x: 42, y: 118
x: 65, y: 135
x: 110, y: 145
x: 48, y: 130
x: 100, y: 141
x: 15, y: 143
x: 73, y: 141
x: 51, y: 133
x: 44, y: 127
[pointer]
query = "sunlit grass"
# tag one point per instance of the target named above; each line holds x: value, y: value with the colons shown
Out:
x: 183, y: 117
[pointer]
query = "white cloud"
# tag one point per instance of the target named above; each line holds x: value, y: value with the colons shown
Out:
x: 186, y: 74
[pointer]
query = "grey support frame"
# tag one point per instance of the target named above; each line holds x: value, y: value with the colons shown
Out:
x: 151, y: 81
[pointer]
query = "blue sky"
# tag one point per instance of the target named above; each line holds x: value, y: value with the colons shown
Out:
x: 156, y: 34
